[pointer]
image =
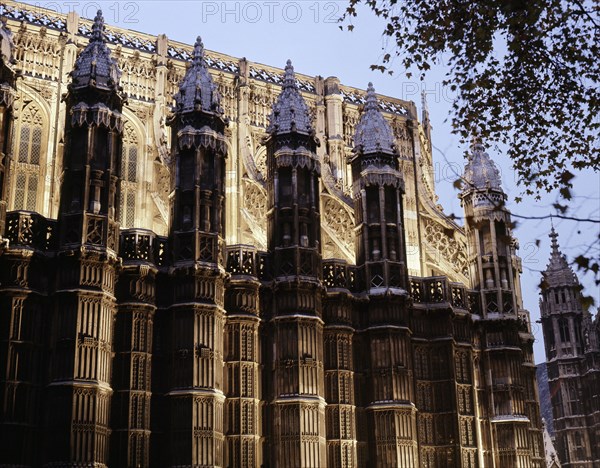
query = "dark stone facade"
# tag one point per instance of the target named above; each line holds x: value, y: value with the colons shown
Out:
x: 120, y: 347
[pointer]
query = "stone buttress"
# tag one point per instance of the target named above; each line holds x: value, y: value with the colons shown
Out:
x: 22, y: 293
x: 294, y: 236
x: 194, y: 319
x: 384, y: 316
x: 79, y: 388
x: 509, y: 416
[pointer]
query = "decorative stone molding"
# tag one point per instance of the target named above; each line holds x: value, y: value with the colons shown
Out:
x: 204, y: 137
x: 98, y: 114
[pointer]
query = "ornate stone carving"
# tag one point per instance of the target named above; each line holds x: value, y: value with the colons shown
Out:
x: 335, y: 185
x: 98, y: 114
x: 37, y: 54
x: 481, y: 171
x: 260, y: 158
x: 260, y: 103
x: 338, y: 222
x: 227, y: 90
x: 403, y: 140
x: 160, y: 129
x: 329, y: 249
x: 254, y: 156
x: 443, y: 241
x: 138, y: 78
x: 350, y: 120
x: 373, y: 133
x: 197, y: 90
x: 255, y: 210
x: 161, y: 190
x: 94, y: 66
x: 290, y: 111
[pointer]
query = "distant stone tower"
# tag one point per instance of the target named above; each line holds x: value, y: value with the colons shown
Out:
x: 81, y: 339
x: 381, y: 259
x: 573, y: 357
x: 507, y: 364
x: 193, y: 327
x: 294, y: 236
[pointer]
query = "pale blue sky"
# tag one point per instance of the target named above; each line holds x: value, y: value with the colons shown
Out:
x: 270, y: 32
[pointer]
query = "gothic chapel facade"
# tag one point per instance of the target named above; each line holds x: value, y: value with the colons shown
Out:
x: 206, y: 261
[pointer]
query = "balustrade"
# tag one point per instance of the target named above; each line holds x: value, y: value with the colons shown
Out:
x: 29, y: 229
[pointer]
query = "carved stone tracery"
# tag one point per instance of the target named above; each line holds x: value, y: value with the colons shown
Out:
x: 338, y: 222
x: 449, y: 248
x: 255, y: 209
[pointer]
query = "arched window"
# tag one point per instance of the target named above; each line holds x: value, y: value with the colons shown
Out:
x: 129, y: 176
x: 28, y: 159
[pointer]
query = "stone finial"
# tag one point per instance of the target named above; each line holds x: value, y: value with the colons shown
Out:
x: 373, y: 133
x: 554, y: 242
x: 197, y: 90
x: 94, y: 67
x: 72, y: 25
x: 98, y: 33
x: 289, y: 77
x: 198, y: 52
x: 290, y: 112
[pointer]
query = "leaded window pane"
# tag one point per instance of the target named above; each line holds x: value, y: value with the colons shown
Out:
x: 36, y: 146
x: 132, y: 164
x: 20, y: 192
x: 24, y: 144
x: 129, y: 219
x: 32, y: 192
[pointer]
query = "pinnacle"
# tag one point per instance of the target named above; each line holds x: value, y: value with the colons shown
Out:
x: 371, y: 98
x: 554, y: 241
x: 476, y: 145
x: 424, y: 103
x: 558, y: 271
x: 197, y: 90
x: 373, y: 134
x: 98, y: 28
x: 557, y: 259
x: 290, y: 112
x: 289, y: 78
x: 198, y: 51
x: 94, y: 67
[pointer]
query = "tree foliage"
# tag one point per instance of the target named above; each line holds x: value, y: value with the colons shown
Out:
x: 526, y: 74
